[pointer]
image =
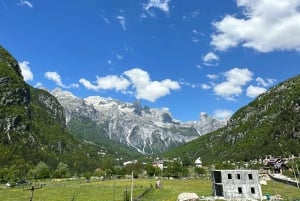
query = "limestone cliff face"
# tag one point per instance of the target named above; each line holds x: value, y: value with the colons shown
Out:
x: 148, y: 130
x: 32, y: 121
x: 14, y: 99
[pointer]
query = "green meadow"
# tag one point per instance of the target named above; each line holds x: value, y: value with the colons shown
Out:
x: 114, y: 190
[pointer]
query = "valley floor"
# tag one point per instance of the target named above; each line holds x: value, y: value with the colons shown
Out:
x: 115, y: 190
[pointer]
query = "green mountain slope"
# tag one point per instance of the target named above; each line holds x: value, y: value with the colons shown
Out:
x: 87, y: 130
x: 268, y: 125
x: 32, y: 126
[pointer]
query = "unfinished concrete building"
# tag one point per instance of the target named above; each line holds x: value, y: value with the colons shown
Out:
x: 236, y: 184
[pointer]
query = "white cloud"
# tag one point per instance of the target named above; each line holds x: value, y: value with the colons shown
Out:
x: 147, y: 89
x: 253, y: 91
x: 195, y: 39
x: 212, y: 76
x: 26, y: 72
x: 135, y: 79
x: 39, y: 85
x: 55, y: 77
x: 195, y: 13
x: 163, y: 5
x: 106, y: 83
x: 143, y: 16
x: 109, y: 62
x: 104, y: 18
x: 265, y: 83
x: 210, y: 59
x: 198, y: 66
x: 122, y: 21
x: 265, y: 26
x: 191, y: 15
x: 196, y: 35
x: 188, y: 84
x: 25, y: 3
x: 87, y: 84
x: 119, y: 56
x: 222, y: 114
x: 195, y: 31
x: 235, y: 79
x: 205, y: 86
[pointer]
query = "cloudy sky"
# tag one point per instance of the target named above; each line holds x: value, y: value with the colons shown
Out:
x: 187, y: 56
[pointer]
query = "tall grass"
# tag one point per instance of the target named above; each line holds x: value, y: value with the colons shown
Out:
x: 113, y: 190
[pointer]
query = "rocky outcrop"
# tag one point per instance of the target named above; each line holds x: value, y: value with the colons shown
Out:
x: 14, y: 99
x: 32, y: 124
x: 269, y: 125
x: 147, y: 130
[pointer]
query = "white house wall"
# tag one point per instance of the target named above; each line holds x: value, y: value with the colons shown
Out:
x: 238, y: 184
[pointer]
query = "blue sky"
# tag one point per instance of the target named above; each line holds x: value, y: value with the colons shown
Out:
x: 188, y: 56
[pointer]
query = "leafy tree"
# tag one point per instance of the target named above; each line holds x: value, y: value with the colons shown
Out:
x: 200, y: 170
x: 32, y: 174
x: 119, y: 171
x: 152, y: 171
x: 87, y: 176
x: 136, y: 168
x: 42, y: 170
x: 108, y: 173
x: 175, y: 169
x: 186, y: 160
x: 108, y: 163
x: 4, y: 175
x: 62, y: 171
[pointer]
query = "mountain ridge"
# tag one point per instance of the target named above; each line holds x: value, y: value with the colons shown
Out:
x: 269, y: 125
x: 148, y: 130
x: 33, y: 129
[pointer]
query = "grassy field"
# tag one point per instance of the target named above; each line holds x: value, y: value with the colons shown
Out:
x: 113, y: 190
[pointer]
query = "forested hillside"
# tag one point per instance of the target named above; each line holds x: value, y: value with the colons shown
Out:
x: 268, y: 125
x: 33, y: 131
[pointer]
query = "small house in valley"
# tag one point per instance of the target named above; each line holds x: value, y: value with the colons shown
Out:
x: 198, y: 162
x: 236, y: 184
x: 158, y: 163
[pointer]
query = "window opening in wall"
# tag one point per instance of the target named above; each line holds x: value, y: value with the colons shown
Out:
x: 238, y: 176
x: 252, y: 190
x: 219, y: 190
x: 240, y: 190
x: 217, y: 176
x: 229, y: 176
x: 250, y: 176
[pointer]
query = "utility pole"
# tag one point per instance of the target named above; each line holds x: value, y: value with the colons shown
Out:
x: 131, y: 191
x: 126, y: 195
x: 114, y: 189
x: 295, y: 176
x: 32, y: 191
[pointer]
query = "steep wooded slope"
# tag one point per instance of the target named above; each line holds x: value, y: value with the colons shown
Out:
x: 268, y: 125
x: 32, y: 126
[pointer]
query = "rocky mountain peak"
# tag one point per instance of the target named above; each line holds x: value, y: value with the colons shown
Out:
x: 148, y: 130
